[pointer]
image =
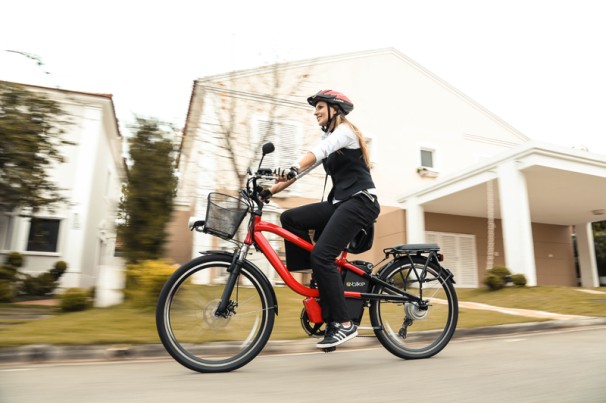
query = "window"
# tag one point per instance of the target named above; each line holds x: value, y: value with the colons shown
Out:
x: 427, y: 158
x: 428, y: 166
x: 43, y: 235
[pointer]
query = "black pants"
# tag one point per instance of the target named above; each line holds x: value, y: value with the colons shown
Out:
x: 336, y: 224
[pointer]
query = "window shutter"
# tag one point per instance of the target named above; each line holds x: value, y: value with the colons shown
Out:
x: 459, y: 255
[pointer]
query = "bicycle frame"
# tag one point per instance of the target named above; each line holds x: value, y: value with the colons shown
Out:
x: 255, y: 236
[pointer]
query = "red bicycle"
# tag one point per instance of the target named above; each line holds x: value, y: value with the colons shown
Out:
x: 216, y: 312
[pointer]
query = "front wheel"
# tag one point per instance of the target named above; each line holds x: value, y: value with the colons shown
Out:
x: 411, y: 330
x: 192, y: 332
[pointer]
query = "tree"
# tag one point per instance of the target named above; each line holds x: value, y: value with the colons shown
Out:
x: 147, y: 201
x: 238, y: 99
x: 31, y: 131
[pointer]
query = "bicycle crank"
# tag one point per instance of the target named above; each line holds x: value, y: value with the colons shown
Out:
x: 312, y: 329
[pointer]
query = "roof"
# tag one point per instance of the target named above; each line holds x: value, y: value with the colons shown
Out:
x: 105, y: 96
x: 565, y: 186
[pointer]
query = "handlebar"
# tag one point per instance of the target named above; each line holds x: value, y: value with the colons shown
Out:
x: 252, y: 188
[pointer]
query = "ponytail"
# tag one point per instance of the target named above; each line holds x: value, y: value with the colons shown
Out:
x: 361, y: 140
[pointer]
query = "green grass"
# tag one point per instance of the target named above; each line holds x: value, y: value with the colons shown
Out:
x: 126, y: 325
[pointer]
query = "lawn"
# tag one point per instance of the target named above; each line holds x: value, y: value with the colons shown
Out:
x: 124, y: 324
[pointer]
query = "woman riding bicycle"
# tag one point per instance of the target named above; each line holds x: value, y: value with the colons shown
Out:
x: 351, y: 206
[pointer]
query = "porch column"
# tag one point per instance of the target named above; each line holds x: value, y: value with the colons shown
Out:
x: 515, y: 215
x: 586, y: 249
x: 415, y: 221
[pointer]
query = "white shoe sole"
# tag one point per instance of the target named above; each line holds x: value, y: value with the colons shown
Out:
x: 336, y: 343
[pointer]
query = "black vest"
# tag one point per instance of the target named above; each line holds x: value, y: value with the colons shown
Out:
x: 348, y: 172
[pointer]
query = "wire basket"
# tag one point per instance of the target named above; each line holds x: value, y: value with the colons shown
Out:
x: 224, y: 214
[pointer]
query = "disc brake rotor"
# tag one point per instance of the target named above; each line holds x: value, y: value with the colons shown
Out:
x: 211, y: 319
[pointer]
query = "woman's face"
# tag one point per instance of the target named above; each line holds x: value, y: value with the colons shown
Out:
x: 321, y: 113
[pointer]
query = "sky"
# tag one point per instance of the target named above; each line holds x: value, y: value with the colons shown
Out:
x: 540, y: 65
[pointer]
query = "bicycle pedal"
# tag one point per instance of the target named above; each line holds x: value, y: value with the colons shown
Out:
x: 329, y: 349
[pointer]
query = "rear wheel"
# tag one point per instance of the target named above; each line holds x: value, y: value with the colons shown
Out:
x: 198, y: 338
x: 415, y: 330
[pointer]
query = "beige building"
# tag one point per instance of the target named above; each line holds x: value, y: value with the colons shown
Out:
x: 446, y: 169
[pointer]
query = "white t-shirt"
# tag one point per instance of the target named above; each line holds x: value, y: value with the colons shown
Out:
x: 342, y: 137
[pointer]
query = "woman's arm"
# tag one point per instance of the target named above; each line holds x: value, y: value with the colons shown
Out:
x: 306, y: 162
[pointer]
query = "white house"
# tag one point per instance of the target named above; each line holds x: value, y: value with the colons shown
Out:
x: 446, y: 169
x: 81, y: 232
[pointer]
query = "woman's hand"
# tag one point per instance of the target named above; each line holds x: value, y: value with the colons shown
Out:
x: 286, y: 174
x: 265, y: 195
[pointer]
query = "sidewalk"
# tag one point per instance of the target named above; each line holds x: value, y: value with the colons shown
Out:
x: 35, y: 354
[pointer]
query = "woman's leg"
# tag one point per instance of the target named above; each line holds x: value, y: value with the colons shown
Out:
x: 299, y: 221
x: 348, y: 219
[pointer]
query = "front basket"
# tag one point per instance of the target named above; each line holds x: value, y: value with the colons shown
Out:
x: 224, y: 214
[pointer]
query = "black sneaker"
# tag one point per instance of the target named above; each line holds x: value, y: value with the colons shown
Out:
x: 337, y: 334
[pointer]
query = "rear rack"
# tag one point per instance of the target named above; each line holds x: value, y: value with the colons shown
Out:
x: 418, y: 249
x: 412, y: 248
x: 415, y: 249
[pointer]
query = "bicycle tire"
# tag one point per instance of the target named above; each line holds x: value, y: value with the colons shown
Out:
x: 404, y: 329
x: 198, y: 339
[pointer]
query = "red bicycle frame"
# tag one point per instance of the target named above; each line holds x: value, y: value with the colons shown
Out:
x: 255, y: 235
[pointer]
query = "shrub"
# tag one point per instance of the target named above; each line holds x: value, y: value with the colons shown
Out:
x: 15, y: 259
x: 43, y: 284
x: 144, y: 282
x: 8, y: 272
x: 7, y: 291
x: 58, y: 270
x: 502, y: 272
x: 75, y: 299
x: 518, y: 280
x: 38, y: 286
x: 8, y: 276
x: 494, y: 282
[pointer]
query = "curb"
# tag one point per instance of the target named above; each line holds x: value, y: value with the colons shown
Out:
x: 43, y: 353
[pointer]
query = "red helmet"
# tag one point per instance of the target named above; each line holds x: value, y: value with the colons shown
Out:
x: 332, y: 98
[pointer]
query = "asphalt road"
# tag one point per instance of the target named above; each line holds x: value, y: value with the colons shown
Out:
x: 555, y: 366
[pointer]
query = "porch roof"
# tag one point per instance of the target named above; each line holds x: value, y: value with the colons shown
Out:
x: 565, y: 186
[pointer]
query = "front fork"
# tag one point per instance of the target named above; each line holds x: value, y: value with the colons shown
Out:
x: 226, y: 305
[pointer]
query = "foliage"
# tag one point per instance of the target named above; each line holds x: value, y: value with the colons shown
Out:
x: 147, y: 202
x: 497, y: 277
x: 8, y: 276
x: 7, y: 291
x: 518, y: 280
x: 494, y: 282
x: 32, y: 127
x: 15, y: 259
x: 501, y: 271
x: 144, y: 282
x: 44, y: 283
x: 58, y: 269
x: 75, y: 299
x: 8, y: 272
x: 37, y: 286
